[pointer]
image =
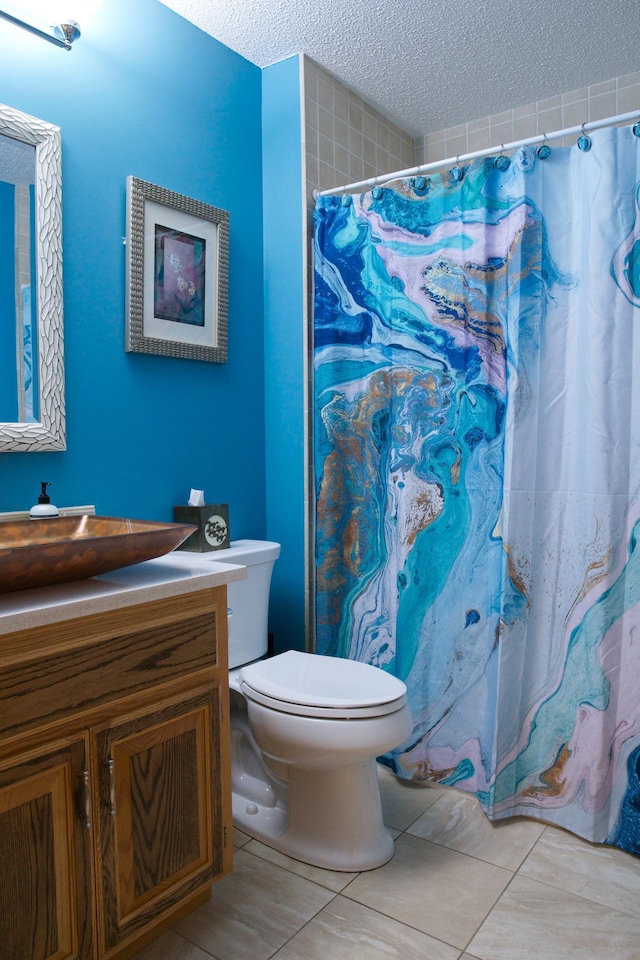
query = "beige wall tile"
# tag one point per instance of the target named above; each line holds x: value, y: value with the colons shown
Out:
x: 369, y: 125
x: 435, y: 151
x: 582, y: 93
x: 341, y: 106
x: 479, y: 140
x: 327, y: 177
x: 549, y: 103
x: 454, y: 146
x: 502, y: 132
x: 629, y: 98
x: 368, y: 170
x: 341, y: 133
x: 355, y: 143
x: 549, y: 120
x: 525, y: 127
x: 369, y: 151
x: 575, y: 113
x: 382, y: 135
x: 356, y: 168
x: 325, y: 149
x: 603, y: 106
x: 341, y: 159
x: 528, y: 110
x: 482, y: 124
x: 599, y: 89
x: 419, y: 151
x: 325, y: 122
x: 355, y: 116
x: 601, y: 100
x: 630, y: 79
x: 325, y: 95
x: 505, y: 117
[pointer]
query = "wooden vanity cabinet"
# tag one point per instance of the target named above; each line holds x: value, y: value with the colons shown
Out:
x: 46, y: 908
x: 115, y: 795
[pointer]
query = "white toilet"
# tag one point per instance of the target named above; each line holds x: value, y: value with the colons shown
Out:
x: 305, y: 734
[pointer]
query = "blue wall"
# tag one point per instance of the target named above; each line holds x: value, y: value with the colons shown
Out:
x: 284, y: 345
x: 165, y: 102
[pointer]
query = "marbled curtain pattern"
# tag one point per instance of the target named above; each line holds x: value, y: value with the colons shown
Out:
x: 477, y: 441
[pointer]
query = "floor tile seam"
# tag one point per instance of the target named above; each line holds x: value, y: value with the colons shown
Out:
x: 474, y: 856
x: 581, y: 896
x: 403, y: 923
x: 193, y: 944
x: 486, y: 917
x: 471, y: 856
x: 299, y: 876
x: 300, y: 929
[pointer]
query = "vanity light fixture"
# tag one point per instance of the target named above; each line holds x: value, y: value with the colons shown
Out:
x: 63, y: 33
x: 59, y: 16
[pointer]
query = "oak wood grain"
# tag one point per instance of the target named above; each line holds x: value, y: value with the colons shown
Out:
x: 147, y: 687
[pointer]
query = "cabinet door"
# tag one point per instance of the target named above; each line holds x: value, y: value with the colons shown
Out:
x: 162, y: 821
x: 45, y: 886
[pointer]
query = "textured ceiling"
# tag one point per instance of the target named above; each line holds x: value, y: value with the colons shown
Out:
x: 430, y: 64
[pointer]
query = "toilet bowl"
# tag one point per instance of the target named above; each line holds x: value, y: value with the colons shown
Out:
x: 305, y: 733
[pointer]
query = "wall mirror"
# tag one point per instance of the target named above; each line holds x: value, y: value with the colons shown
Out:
x: 32, y: 407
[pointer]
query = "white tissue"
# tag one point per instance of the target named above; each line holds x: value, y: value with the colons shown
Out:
x: 196, y: 498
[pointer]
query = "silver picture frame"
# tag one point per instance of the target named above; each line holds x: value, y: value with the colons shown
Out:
x: 177, y: 275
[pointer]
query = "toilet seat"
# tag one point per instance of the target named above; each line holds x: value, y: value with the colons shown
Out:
x: 312, y: 685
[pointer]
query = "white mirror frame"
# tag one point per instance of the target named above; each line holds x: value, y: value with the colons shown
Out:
x: 49, y: 432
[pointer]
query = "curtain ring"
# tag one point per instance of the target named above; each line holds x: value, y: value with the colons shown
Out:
x: 584, y: 142
x: 544, y: 150
x: 345, y: 200
x: 502, y: 162
x: 376, y: 191
x: 636, y: 129
x: 420, y: 185
x: 457, y: 173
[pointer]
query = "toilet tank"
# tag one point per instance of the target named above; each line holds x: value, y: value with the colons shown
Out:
x: 248, y: 600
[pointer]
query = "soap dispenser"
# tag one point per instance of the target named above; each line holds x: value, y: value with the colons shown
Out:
x: 43, y: 508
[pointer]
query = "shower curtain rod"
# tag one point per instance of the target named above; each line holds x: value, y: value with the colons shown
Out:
x: 582, y: 128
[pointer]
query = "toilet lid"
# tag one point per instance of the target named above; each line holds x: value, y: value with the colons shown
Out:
x: 312, y: 680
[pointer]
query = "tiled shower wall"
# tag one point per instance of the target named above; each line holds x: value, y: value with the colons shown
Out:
x: 346, y: 140
x: 608, y: 99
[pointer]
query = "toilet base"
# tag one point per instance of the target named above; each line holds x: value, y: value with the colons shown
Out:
x: 335, y: 821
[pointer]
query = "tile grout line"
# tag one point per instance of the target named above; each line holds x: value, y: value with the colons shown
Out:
x: 196, y: 945
x: 305, y: 924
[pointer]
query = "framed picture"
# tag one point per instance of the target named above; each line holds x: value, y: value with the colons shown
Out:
x: 177, y: 274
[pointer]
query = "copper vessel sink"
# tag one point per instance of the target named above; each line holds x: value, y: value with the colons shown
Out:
x: 36, y: 553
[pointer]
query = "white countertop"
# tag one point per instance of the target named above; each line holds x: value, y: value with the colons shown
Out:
x: 176, y: 573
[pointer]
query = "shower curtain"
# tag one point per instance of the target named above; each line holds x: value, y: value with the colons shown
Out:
x: 476, y: 454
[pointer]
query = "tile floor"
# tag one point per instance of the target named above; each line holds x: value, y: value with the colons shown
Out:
x: 457, y: 888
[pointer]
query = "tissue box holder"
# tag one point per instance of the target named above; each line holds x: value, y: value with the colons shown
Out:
x: 212, y: 520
